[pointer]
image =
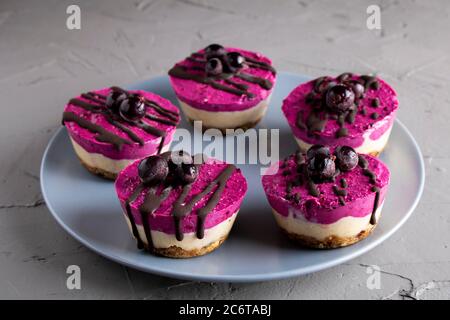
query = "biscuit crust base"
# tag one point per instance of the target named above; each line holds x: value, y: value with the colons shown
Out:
x: 179, y: 253
x: 244, y: 127
x: 99, y: 172
x: 330, y: 242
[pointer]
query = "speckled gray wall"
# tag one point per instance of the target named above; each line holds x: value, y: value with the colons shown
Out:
x: 42, y: 64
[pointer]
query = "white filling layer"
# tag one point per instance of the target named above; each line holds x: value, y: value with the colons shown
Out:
x: 345, y: 227
x: 97, y: 160
x: 368, y: 146
x: 226, y: 119
x: 190, y: 240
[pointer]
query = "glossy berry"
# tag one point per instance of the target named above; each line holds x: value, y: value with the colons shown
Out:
x: 235, y: 60
x: 187, y: 173
x: 321, y: 84
x: 357, y: 88
x: 340, y: 98
x: 132, y: 108
x: 214, y: 50
x: 153, y: 170
x: 317, y: 149
x: 321, y: 168
x: 213, y: 67
x: 346, y: 158
x: 114, y: 99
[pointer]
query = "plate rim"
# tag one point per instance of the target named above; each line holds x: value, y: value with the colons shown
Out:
x: 238, y: 278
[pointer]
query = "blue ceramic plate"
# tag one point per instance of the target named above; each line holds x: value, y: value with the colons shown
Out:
x: 87, y: 208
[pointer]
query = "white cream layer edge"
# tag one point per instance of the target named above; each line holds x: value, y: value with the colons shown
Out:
x: 226, y: 119
x: 97, y: 160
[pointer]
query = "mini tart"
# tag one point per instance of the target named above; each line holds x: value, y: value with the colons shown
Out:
x: 182, y: 221
x: 366, y: 128
x: 227, y: 100
x: 106, y: 143
x: 330, y: 214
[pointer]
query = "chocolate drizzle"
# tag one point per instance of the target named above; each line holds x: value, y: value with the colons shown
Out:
x: 153, y: 200
x: 373, y: 218
x: 263, y: 83
x: 316, y: 121
x: 97, y: 104
x: 312, y: 189
x: 339, y: 189
x: 183, y: 72
x: 181, y: 209
x: 133, y: 197
x: 362, y: 162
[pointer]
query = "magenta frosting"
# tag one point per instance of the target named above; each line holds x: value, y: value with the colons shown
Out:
x: 205, y: 97
x: 295, y: 102
x: 86, y: 138
x: 162, y: 220
x: 326, y: 209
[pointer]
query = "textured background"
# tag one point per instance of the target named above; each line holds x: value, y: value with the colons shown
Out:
x: 42, y: 64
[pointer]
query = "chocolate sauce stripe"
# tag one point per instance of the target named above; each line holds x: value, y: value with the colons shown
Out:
x: 263, y: 83
x: 172, y: 115
x: 100, y: 99
x: 213, y: 200
x: 236, y: 84
x: 91, y: 96
x: 160, y: 120
x: 158, y: 108
x: 128, y: 131
x: 260, y: 64
x: 373, y: 219
x: 152, y: 201
x: 182, y: 73
x: 253, y: 63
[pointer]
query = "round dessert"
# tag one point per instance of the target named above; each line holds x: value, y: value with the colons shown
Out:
x: 327, y: 200
x: 112, y: 127
x: 353, y: 110
x: 225, y: 88
x: 177, y: 208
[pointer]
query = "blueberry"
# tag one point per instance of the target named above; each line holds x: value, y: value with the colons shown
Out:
x: 346, y: 158
x: 357, y: 88
x: 187, y: 173
x: 317, y: 149
x: 114, y: 99
x: 213, y: 67
x: 321, y: 168
x: 235, y: 60
x: 214, y: 50
x: 153, y: 170
x: 132, y: 108
x: 340, y: 98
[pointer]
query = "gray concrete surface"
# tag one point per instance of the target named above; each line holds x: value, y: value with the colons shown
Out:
x: 42, y: 64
